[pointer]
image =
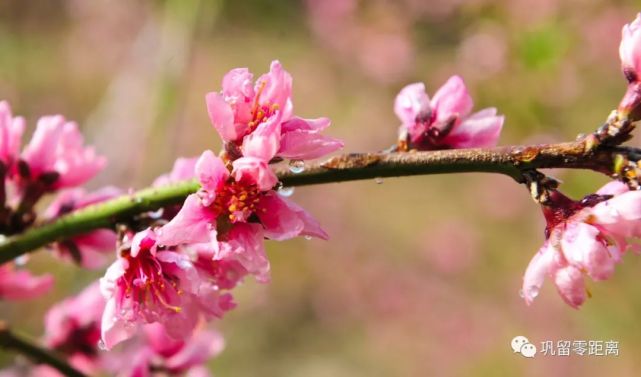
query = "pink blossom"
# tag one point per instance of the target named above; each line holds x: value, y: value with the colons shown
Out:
x: 57, y: 147
x: 155, y: 351
x: 445, y: 121
x: 630, y: 49
x: 586, y: 238
x: 184, y: 169
x: 20, y: 284
x: 11, y: 130
x: 90, y: 250
x: 146, y: 285
x: 243, y: 108
x: 224, y: 213
x: 73, y: 328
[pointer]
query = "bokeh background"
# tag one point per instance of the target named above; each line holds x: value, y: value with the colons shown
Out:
x: 421, y: 275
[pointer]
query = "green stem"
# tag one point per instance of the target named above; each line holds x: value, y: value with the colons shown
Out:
x: 511, y: 161
x: 10, y: 340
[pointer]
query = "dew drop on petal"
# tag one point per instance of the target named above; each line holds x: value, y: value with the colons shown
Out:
x: 21, y: 260
x: 521, y: 294
x: 308, y: 238
x: 378, y: 180
x: 533, y: 291
x: 297, y: 166
x: 286, y: 191
x: 101, y: 345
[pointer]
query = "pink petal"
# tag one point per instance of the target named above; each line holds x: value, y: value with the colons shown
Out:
x: 144, y: 240
x: 11, y: 130
x: 583, y: 248
x: 113, y: 328
x: 411, y: 103
x: 211, y: 172
x: 630, y: 47
x: 570, y: 285
x: 480, y: 130
x: 193, y: 223
x: 20, y: 284
x: 40, y: 153
x: 264, y: 142
x: 452, y: 99
x: 540, y: 266
x: 196, y: 351
x: 300, y: 124
x: 245, y: 244
x: 254, y: 171
x: 277, y: 89
x: 238, y: 84
x: 307, y: 145
x: 221, y: 116
x: 613, y: 188
x: 282, y: 219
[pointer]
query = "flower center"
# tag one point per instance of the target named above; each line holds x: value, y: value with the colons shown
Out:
x: 146, y: 283
x: 237, y: 201
x: 260, y: 112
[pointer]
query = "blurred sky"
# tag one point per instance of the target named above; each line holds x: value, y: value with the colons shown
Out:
x: 421, y: 274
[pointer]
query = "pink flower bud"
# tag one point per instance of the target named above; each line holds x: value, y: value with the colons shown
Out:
x: 630, y: 50
x: 445, y: 121
x: 11, y: 130
x: 586, y: 239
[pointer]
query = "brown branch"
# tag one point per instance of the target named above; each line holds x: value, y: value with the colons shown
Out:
x: 512, y: 161
x: 12, y: 341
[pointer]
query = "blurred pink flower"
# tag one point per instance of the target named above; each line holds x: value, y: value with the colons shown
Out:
x: 243, y: 109
x: 20, y: 284
x: 72, y: 328
x: 584, y: 238
x: 177, y: 357
x: 221, y: 212
x: 11, y: 130
x: 373, y: 37
x: 630, y: 49
x: 57, y: 148
x: 183, y: 169
x: 89, y: 250
x: 157, y: 352
x: 443, y: 122
x: 146, y: 285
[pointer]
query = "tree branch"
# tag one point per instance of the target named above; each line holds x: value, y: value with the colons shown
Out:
x: 9, y: 340
x: 511, y: 161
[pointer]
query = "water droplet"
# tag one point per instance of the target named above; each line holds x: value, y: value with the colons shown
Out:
x: 156, y: 214
x: 297, y: 166
x: 101, y: 345
x: 533, y: 291
x: 521, y: 293
x: 286, y: 191
x: 378, y: 180
x: 21, y: 260
x: 308, y: 238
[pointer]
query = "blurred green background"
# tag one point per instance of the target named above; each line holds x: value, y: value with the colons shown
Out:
x: 421, y: 275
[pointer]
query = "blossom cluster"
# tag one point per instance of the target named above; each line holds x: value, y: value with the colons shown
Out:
x: 175, y: 269
x: 587, y: 238
x: 54, y: 160
x: 182, y: 272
